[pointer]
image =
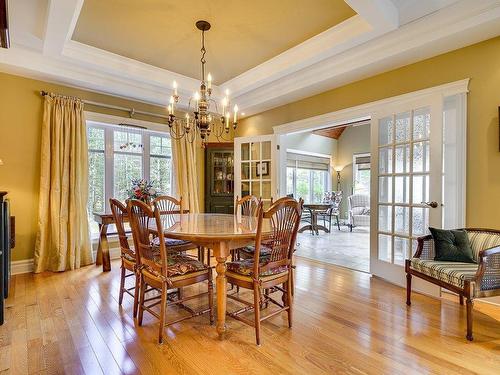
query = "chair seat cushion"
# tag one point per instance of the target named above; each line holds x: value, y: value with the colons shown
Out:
x: 128, y: 257
x: 245, y: 267
x: 249, y: 251
x: 179, y: 264
x: 170, y: 242
x: 454, y: 273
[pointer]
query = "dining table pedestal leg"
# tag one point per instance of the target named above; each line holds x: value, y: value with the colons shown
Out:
x: 221, y: 252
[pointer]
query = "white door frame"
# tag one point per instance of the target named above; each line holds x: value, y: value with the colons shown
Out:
x: 363, y: 111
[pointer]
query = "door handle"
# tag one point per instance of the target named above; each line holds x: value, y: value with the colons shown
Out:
x: 431, y: 204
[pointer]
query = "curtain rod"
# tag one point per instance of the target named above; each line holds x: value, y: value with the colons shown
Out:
x: 131, y: 111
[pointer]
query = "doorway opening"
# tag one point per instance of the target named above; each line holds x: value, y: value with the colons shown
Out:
x: 329, y: 169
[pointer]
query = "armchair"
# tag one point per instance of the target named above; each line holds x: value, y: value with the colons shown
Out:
x: 469, y: 280
x: 359, y: 210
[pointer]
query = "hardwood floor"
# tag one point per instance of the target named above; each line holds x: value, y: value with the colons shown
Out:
x: 345, y: 322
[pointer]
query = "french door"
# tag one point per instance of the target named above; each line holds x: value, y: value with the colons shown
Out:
x: 407, y: 170
x: 255, y: 161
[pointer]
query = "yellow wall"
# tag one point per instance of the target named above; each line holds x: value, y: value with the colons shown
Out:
x: 479, y: 62
x: 20, y: 120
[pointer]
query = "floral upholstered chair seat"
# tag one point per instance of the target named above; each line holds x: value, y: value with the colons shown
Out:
x: 247, y: 252
x: 182, y: 264
x: 170, y: 242
x: 179, y: 265
x: 245, y: 268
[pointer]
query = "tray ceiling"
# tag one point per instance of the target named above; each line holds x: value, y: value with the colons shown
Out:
x: 244, y: 33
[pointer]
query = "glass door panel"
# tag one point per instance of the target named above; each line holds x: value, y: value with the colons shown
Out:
x: 405, y: 177
x: 403, y: 182
x: 254, y: 161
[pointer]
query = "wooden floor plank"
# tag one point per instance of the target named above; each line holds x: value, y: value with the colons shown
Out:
x: 345, y: 322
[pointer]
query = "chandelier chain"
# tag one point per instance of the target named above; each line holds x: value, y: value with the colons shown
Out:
x: 203, y: 52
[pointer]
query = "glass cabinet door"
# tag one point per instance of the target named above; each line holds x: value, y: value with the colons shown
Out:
x: 222, y: 173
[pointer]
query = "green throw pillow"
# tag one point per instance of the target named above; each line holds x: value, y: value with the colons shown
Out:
x: 452, y: 245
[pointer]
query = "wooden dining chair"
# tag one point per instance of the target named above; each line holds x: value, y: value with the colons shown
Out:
x: 247, y: 205
x: 127, y: 255
x: 164, y: 270
x: 272, y: 272
x: 168, y: 205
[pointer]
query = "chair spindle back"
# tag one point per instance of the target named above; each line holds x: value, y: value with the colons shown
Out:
x: 141, y: 217
x: 119, y: 211
x: 168, y: 205
x: 247, y: 205
x: 284, y: 216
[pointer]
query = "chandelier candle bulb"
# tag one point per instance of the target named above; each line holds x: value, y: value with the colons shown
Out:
x: 175, y: 87
x: 209, y: 80
x: 235, y: 113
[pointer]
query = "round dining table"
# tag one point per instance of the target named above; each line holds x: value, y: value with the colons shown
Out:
x: 219, y: 232
x: 314, y: 209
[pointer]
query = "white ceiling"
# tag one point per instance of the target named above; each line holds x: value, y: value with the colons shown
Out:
x: 383, y: 35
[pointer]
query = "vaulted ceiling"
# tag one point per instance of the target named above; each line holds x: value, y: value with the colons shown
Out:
x: 266, y: 52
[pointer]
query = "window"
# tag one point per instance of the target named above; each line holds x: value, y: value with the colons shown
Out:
x: 120, y: 154
x: 307, y: 177
x: 361, y: 174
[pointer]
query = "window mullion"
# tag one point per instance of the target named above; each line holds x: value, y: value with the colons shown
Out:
x: 108, y: 165
x: 146, y: 170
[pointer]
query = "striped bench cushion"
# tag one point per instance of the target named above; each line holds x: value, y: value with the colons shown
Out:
x: 450, y: 272
x: 482, y: 241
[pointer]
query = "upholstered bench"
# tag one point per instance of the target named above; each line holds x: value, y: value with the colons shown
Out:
x: 469, y: 280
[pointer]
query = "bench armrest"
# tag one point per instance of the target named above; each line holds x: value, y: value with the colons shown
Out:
x: 488, y: 274
x: 424, y: 248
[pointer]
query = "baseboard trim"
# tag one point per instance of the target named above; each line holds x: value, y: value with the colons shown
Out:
x: 19, y: 267
x: 22, y: 266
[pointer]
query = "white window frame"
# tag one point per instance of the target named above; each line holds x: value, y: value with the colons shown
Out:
x: 354, y: 170
x: 328, y: 175
x: 109, y: 124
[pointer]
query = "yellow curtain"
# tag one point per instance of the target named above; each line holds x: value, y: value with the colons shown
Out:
x: 186, y: 173
x: 63, y: 241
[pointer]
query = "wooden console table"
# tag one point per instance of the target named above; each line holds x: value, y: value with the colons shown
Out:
x: 103, y: 257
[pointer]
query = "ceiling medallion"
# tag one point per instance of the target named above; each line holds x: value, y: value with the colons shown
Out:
x: 205, y: 118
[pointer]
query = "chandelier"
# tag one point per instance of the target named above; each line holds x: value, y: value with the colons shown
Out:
x: 203, y: 117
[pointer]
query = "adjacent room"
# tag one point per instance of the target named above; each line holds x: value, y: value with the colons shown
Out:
x: 249, y: 187
x: 329, y: 168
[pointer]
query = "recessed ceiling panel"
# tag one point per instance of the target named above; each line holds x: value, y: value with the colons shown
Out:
x: 244, y: 33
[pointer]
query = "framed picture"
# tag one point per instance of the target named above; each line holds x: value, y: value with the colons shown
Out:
x: 262, y: 168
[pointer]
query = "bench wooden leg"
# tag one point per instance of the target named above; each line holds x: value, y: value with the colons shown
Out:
x: 470, y: 304
x: 408, y: 289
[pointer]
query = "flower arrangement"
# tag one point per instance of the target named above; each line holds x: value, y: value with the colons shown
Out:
x: 142, y: 190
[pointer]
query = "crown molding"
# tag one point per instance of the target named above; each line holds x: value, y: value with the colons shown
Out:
x: 362, y: 112
x: 364, y: 45
x: 438, y: 33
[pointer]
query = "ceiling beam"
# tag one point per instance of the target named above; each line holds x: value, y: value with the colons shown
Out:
x: 381, y: 14
x: 62, y: 16
x: 4, y: 25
